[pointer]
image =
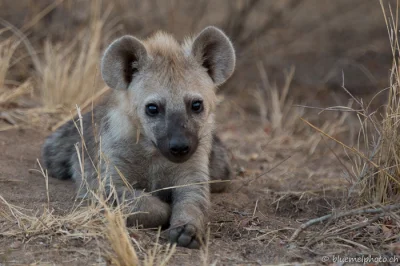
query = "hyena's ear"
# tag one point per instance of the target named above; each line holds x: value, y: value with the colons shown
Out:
x: 121, y: 60
x: 214, y: 51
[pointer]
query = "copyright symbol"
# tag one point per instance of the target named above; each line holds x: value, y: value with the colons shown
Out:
x: 324, y: 258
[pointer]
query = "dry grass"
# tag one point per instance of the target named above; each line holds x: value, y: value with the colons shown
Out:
x: 65, y: 73
x: 70, y: 70
x: 276, y: 105
x: 382, y: 184
x: 280, y: 116
x: 85, y: 223
x: 378, y: 173
x: 372, y: 230
x: 124, y: 252
x: 79, y: 223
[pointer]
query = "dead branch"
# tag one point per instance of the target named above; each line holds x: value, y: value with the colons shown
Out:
x: 335, y: 216
x: 353, y: 228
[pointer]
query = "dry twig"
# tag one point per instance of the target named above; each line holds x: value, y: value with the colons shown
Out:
x: 336, y: 216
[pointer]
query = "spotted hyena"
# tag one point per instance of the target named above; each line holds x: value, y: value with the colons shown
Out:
x: 156, y: 130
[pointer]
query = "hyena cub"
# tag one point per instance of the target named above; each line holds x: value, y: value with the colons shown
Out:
x: 156, y: 130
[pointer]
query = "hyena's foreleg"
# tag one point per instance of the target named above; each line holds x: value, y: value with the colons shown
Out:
x: 148, y: 211
x: 144, y: 209
x: 190, y: 204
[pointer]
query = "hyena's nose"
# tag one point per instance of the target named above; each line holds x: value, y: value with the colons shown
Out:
x: 179, y: 147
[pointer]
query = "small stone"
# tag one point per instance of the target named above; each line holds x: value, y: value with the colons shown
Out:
x: 254, y: 156
x: 16, y: 244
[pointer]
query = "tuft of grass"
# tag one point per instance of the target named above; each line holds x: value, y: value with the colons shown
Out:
x: 275, y: 103
x: 280, y: 115
x: 381, y: 182
x: 118, y: 237
x: 159, y: 256
x: 70, y: 71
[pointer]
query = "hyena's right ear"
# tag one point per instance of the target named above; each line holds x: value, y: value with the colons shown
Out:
x: 214, y: 51
x: 121, y: 60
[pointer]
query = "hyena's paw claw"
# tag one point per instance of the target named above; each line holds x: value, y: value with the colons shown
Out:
x: 184, y: 236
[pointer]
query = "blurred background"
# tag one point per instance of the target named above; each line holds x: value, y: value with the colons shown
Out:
x: 297, y: 52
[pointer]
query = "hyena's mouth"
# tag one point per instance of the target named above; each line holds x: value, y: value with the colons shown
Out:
x: 176, y: 151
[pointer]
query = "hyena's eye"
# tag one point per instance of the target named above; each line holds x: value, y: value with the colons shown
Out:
x: 152, y: 109
x: 197, y: 106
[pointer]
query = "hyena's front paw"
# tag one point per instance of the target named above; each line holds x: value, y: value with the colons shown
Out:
x: 185, y: 236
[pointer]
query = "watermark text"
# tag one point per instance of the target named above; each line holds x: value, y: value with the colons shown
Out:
x: 360, y: 259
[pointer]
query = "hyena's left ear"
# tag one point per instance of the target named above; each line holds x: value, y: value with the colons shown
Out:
x: 214, y: 51
x: 121, y: 60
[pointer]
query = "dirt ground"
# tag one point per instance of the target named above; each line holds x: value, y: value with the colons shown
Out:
x: 250, y: 223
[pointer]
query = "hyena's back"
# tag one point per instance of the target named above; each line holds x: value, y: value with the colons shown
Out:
x: 59, y: 152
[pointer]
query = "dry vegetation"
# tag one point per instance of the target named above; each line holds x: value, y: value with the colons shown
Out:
x: 49, y: 64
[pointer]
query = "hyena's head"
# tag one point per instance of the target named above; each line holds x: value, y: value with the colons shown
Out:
x: 169, y: 88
